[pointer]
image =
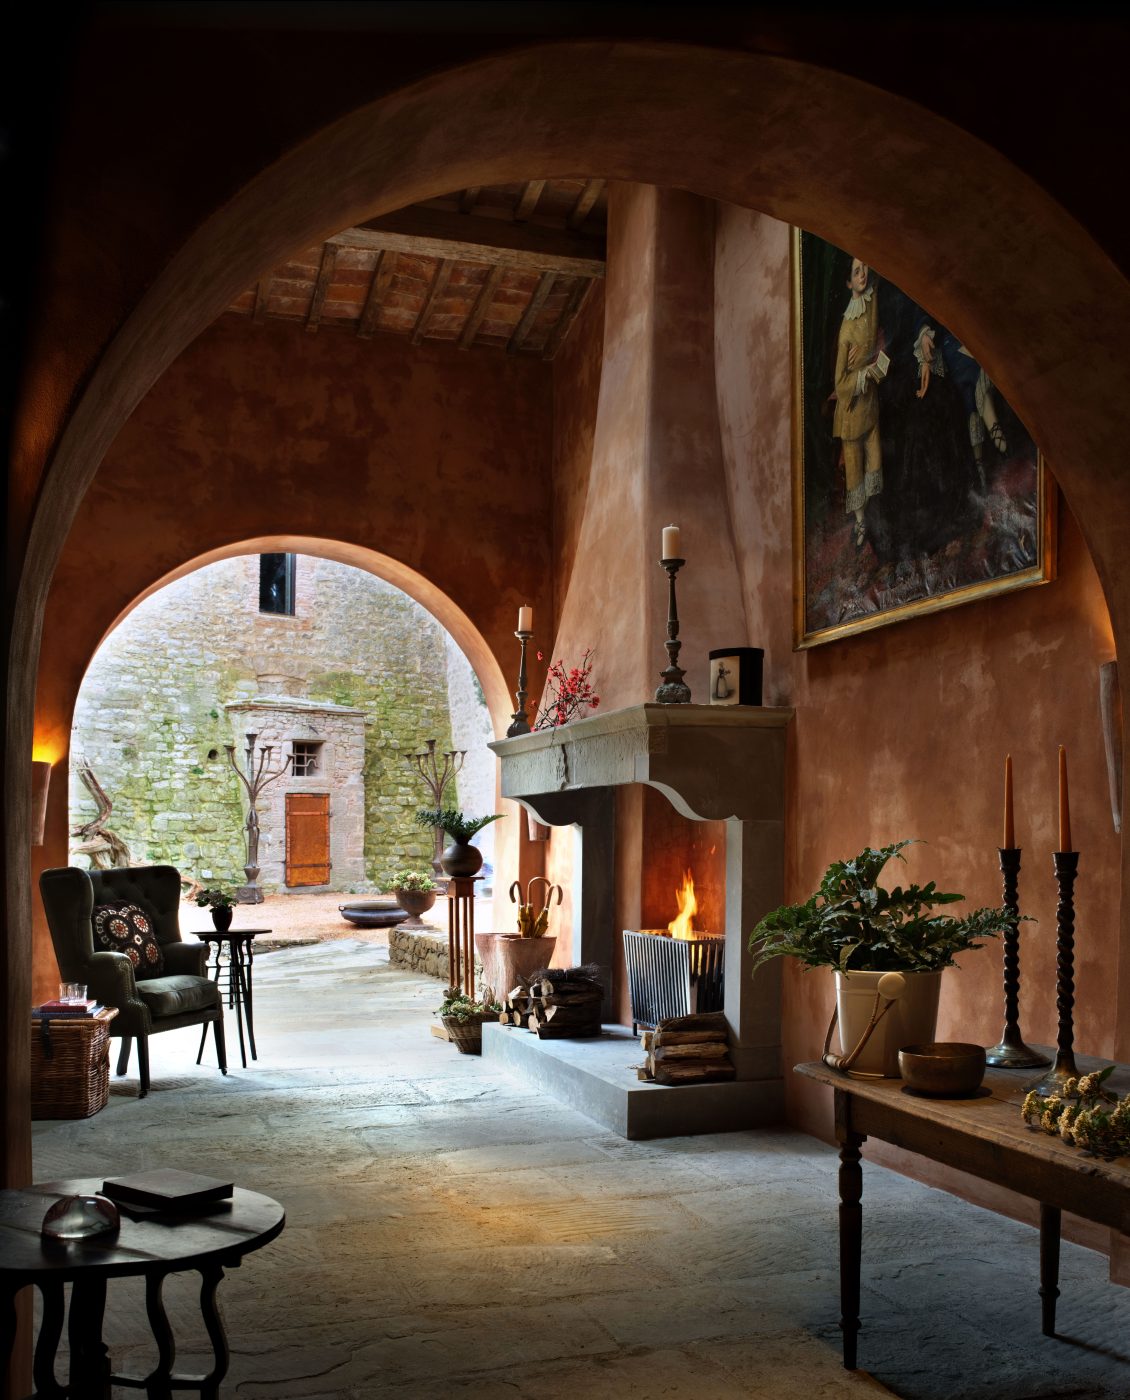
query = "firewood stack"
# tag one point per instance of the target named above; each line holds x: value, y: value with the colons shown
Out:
x: 557, y: 1003
x: 688, y: 1050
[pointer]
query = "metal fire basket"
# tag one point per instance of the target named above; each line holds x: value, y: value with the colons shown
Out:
x: 672, y: 976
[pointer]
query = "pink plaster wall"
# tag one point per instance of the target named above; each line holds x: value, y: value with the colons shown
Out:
x: 914, y: 720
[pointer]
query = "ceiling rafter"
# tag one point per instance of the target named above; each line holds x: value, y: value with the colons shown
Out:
x: 529, y: 200
x: 531, y: 313
x: 384, y: 269
x: 439, y: 286
x: 321, y: 286
x: 481, y: 307
x: 584, y: 205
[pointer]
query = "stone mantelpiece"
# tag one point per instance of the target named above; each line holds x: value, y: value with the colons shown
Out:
x: 713, y: 763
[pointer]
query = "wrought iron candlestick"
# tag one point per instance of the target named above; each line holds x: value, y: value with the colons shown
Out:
x: 254, y: 781
x: 1012, y: 1053
x: 1066, y: 868
x: 521, y: 723
x: 674, y: 690
x: 435, y: 780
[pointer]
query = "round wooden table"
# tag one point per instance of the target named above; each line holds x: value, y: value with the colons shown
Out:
x: 148, y: 1245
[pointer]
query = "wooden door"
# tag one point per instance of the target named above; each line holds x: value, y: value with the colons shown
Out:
x: 307, y: 838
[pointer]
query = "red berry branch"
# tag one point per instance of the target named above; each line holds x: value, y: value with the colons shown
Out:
x: 567, y: 692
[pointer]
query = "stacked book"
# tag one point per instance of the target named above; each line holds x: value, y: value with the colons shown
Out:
x: 50, y: 1009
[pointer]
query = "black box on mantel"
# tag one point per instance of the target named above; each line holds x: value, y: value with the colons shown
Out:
x: 735, y: 675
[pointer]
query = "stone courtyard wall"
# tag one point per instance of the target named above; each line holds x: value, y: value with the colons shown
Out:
x: 151, y: 717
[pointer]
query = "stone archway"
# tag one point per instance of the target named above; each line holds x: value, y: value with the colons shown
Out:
x: 1037, y: 301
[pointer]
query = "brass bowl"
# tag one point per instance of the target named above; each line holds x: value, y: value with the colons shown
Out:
x: 946, y: 1069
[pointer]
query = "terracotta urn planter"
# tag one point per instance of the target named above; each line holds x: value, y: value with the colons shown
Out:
x: 910, y: 1021
x: 507, y: 958
x: 414, y: 903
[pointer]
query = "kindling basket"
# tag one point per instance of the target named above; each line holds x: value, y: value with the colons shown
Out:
x: 70, y: 1065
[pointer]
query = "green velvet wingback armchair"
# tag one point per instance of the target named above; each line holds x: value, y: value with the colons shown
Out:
x: 181, y: 996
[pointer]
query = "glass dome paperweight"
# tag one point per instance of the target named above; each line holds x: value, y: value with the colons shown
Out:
x: 79, y: 1217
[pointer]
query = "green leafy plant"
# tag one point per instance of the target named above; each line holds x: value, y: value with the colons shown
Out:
x: 415, y: 881
x: 463, y: 1007
x: 458, y: 827
x: 1086, y: 1115
x: 216, y: 899
x: 853, y: 924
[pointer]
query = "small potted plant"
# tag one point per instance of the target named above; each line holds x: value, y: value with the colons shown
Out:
x: 463, y: 1018
x: 415, y: 891
x: 863, y: 931
x: 460, y: 858
x: 221, y: 904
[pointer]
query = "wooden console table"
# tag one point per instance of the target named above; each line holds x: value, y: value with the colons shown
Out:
x: 984, y: 1136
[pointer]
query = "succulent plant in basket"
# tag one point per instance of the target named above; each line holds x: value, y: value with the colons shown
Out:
x: 464, y: 1016
x: 864, y: 933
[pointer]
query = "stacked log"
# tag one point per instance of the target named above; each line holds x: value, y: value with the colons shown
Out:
x: 688, y: 1050
x: 556, y: 1003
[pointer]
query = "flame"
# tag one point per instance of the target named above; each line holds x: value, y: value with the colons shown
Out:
x: 682, y: 927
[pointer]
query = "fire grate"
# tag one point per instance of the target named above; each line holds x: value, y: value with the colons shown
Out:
x: 672, y: 976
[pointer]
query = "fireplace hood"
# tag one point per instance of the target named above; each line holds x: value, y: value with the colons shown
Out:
x: 713, y: 763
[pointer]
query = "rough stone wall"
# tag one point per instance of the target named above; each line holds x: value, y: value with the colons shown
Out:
x: 424, y: 953
x: 151, y: 717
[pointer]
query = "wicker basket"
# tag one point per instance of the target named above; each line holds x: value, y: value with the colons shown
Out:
x: 467, y: 1036
x: 70, y: 1065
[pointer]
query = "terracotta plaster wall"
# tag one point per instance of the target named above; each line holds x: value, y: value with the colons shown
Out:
x: 914, y: 720
x: 436, y: 459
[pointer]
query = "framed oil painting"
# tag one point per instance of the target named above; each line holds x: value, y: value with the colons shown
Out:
x: 915, y: 485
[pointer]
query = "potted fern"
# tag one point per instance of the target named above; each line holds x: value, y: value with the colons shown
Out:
x: 460, y: 857
x: 863, y: 931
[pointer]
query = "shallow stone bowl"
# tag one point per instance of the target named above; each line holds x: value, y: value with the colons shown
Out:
x: 943, y: 1068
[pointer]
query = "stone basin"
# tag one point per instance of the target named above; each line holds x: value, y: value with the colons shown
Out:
x: 372, y: 914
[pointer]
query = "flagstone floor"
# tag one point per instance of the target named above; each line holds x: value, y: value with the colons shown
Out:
x: 450, y: 1235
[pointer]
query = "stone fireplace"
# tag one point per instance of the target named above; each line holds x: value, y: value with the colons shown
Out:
x: 651, y: 792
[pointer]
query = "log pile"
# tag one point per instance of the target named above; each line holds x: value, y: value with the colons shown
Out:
x: 688, y: 1050
x: 556, y: 1003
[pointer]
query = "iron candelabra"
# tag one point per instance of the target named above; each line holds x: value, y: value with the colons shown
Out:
x: 674, y: 690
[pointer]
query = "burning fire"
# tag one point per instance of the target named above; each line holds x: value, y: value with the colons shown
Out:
x: 682, y: 925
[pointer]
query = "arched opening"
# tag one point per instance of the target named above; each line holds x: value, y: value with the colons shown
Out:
x: 342, y: 673
x: 1032, y: 295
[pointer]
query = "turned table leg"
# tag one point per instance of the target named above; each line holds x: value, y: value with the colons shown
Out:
x: 1049, y: 1265
x: 851, y: 1225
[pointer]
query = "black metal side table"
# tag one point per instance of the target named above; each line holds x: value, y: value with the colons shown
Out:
x: 240, y: 955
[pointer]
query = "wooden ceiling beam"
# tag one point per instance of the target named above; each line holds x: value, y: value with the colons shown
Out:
x: 469, y: 198
x: 438, y: 233
x: 262, y: 296
x: 481, y: 307
x: 384, y: 270
x: 585, y: 201
x: 438, y: 287
x: 321, y: 286
x: 530, y: 315
x: 529, y: 200
x: 569, y: 313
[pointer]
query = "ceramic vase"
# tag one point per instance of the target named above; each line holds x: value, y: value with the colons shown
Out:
x: 910, y: 1021
x: 221, y: 919
x: 461, y: 858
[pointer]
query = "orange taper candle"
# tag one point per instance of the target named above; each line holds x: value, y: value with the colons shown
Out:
x: 1064, y: 807
x: 1009, y: 842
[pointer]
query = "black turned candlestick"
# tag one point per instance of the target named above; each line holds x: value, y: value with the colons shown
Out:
x: 521, y: 723
x: 1066, y: 868
x: 673, y: 691
x: 1012, y: 1053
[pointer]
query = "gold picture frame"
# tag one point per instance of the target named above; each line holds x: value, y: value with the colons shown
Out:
x: 915, y: 485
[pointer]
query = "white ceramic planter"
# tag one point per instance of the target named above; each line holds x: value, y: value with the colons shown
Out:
x: 911, y: 1021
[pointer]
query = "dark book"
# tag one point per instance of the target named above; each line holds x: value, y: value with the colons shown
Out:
x: 65, y: 1008
x: 166, y: 1188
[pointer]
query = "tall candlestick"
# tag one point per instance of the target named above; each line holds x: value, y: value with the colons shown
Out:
x: 525, y: 619
x: 671, y: 537
x: 1009, y: 842
x: 1064, y: 806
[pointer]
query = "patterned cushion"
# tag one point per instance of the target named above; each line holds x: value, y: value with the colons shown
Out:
x: 127, y: 928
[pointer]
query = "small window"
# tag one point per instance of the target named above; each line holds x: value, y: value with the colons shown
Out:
x: 276, y: 584
x: 307, y: 760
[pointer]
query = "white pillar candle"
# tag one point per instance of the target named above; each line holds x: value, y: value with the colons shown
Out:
x: 670, y: 542
x: 525, y: 619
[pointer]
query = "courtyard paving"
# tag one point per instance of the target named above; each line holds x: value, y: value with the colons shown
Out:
x: 450, y: 1233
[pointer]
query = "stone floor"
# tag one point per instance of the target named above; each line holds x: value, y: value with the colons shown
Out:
x: 448, y: 1235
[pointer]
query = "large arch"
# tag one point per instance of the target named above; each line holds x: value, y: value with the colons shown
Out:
x: 1037, y: 301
